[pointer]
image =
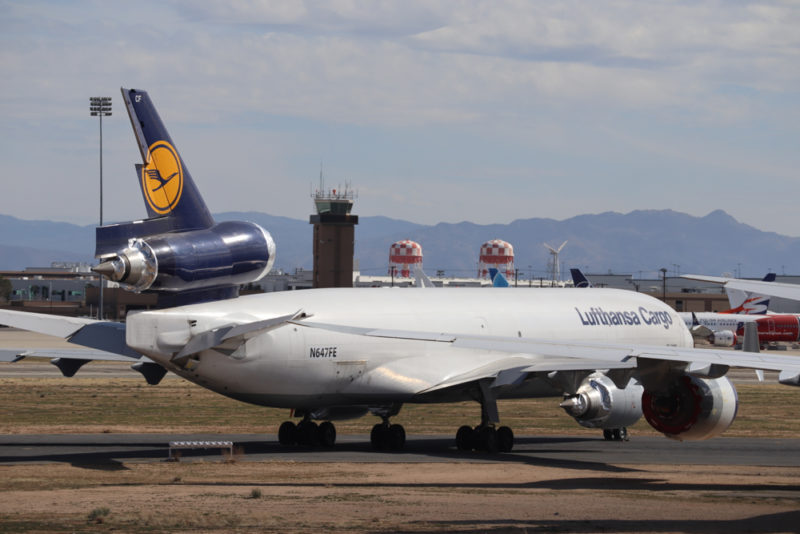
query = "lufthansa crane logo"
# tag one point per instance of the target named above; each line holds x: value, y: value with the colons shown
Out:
x: 162, y: 177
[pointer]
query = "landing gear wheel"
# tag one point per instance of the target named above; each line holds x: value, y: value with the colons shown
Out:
x: 505, y: 439
x: 487, y: 439
x: 464, y: 438
x: 396, y: 437
x: 615, y: 434
x: 287, y: 434
x: 327, y: 434
x: 308, y: 433
x: 387, y: 437
x: 376, y: 437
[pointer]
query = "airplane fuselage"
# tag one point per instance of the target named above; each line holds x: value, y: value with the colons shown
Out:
x: 297, y: 365
x: 770, y: 328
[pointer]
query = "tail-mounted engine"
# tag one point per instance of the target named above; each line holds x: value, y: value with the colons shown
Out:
x: 598, y: 403
x: 691, y: 408
x: 229, y: 253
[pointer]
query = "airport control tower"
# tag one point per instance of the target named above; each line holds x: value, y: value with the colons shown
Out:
x: 334, y: 236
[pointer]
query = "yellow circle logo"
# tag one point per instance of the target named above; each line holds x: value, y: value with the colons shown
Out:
x: 162, y: 177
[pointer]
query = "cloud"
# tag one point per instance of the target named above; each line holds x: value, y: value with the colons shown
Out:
x: 435, y: 93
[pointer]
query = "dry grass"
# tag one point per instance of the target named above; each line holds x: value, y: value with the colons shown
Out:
x: 60, y: 405
x: 368, y: 497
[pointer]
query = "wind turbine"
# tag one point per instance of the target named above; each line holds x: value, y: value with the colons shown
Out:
x: 555, y: 272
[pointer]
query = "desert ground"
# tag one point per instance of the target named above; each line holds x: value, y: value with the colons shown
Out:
x: 475, y: 494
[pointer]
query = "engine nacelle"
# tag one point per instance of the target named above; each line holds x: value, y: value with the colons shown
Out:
x: 692, y: 408
x: 229, y: 253
x: 723, y: 338
x: 599, y: 403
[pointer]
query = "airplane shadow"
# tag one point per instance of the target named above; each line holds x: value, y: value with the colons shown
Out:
x: 109, y: 453
x: 767, y: 523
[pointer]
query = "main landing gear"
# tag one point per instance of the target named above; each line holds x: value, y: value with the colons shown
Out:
x: 615, y: 434
x: 485, y: 437
x: 307, y: 433
x: 386, y: 436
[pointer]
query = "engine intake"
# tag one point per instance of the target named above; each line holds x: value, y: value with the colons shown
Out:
x: 692, y: 408
x: 229, y: 253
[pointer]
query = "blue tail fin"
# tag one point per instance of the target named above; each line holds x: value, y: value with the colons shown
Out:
x: 167, y: 186
x: 498, y: 278
x: 579, y: 279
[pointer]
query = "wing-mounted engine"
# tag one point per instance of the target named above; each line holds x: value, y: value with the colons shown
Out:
x: 691, y: 408
x: 228, y: 253
x: 723, y: 338
x: 599, y: 403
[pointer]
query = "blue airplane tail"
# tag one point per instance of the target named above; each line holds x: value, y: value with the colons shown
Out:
x: 579, y: 279
x: 178, y: 250
x: 166, y: 185
x: 498, y: 278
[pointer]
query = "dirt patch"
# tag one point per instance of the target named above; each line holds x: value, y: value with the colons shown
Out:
x: 303, y: 497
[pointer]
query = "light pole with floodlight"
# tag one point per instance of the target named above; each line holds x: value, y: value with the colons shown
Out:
x: 100, y: 106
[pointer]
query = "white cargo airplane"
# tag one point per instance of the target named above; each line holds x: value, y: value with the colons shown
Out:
x: 329, y: 354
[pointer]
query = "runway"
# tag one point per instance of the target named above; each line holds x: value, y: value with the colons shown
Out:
x: 572, y: 452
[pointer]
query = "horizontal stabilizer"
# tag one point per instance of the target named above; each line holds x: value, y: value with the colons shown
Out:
x: 217, y: 336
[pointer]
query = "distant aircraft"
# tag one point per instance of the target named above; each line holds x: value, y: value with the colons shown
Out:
x: 579, y: 279
x: 744, y: 302
x: 726, y: 328
x: 339, y: 353
x: 498, y: 278
x: 775, y: 289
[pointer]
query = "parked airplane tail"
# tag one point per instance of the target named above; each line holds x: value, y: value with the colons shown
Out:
x: 743, y: 302
x: 498, y: 278
x: 579, y: 279
x: 179, y: 249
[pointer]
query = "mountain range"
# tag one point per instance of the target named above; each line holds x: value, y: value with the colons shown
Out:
x: 640, y: 242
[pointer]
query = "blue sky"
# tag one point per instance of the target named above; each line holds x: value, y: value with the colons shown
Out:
x: 436, y: 111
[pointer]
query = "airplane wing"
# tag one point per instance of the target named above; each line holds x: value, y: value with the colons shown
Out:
x: 14, y: 355
x: 563, y: 356
x: 775, y: 289
x: 105, y: 339
x: 103, y: 336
